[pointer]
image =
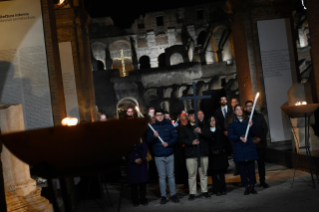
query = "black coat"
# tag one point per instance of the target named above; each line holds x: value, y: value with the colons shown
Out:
x: 220, y: 119
x: 187, y: 136
x: 261, y: 129
x: 228, y: 119
x: 221, y: 122
x: 216, y: 143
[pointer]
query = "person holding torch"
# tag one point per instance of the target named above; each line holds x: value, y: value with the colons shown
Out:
x: 244, y: 149
x: 163, y: 137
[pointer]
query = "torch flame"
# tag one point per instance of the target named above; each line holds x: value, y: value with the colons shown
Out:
x: 257, y: 95
x: 301, y: 103
x: 69, y: 121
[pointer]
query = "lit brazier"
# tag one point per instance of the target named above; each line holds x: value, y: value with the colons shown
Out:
x: 68, y: 151
x: 300, y: 95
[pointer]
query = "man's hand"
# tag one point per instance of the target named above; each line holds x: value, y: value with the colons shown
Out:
x: 156, y: 135
x: 256, y: 140
x: 226, y: 133
x: 198, y: 130
x: 195, y: 142
x: 243, y: 139
x: 138, y: 161
x: 250, y: 123
x: 165, y: 144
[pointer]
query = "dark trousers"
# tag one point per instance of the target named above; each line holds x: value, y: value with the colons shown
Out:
x: 261, y: 164
x: 219, y: 182
x: 138, y: 188
x: 247, y: 172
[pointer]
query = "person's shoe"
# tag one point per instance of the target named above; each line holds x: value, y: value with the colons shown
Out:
x: 163, y: 200
x: 252, y: 189
x: 175, y: 199
x: 218, y: 194
x: 246, y: 190
x: 191, y: 197
x: 224, y: 193
x: 264, y: 185
x: 206, y: 195
x: 144, y: 202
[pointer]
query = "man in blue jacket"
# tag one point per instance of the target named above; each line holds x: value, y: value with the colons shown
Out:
x: 164, y: 153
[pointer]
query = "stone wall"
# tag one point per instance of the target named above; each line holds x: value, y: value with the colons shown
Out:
x: 150, y: 37
x: 162, y: 87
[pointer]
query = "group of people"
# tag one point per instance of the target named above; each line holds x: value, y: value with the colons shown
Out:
x: 206, y: 150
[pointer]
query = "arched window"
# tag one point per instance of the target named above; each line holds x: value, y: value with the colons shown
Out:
x: 144, y: 62
x: 201, y: 38
x: 100, y: 65
x: 161, y: 60
x: 176, y: 58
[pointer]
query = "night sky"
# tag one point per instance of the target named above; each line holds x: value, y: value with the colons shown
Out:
x: 124, y: 12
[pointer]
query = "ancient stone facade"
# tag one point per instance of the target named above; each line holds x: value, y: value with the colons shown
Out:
x: 170, y: 49
x: 205, y: 28
x: 166, y: 51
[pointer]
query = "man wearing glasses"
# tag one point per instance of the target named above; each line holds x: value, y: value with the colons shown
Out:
x: 260, y: 140
x: 164, y: 153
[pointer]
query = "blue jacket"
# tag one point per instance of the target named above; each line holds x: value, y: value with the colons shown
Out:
x: 242, y: 151
x: 167, y: 132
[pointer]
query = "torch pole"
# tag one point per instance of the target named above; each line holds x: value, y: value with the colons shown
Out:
x: 149, y: 125
x: 251, y: 115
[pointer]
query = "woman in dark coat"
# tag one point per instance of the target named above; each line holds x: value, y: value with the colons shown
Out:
x: 218, y: 161
x: 137, y: 173
x: 244, y: 151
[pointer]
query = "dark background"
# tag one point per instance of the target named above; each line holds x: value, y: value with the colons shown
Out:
x: 124, y: 13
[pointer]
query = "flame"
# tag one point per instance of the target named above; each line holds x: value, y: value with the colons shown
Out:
x: 301, y: 103
x: 69, y: 121
x: 257, y: 95
x: 61, y: 2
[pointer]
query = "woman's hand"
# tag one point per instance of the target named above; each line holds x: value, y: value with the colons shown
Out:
x: 243, y: 139
x: 198, y: 130
x: 138, y: 161
x: 195, y: 142
x: 250, y: 123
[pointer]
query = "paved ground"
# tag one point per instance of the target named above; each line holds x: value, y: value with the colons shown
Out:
x: 279, y: 197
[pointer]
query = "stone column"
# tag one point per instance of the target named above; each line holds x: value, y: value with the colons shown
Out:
x: 312, y: 14
x: 21, y: 191
x: 72, y: 21
x: 241, y: 56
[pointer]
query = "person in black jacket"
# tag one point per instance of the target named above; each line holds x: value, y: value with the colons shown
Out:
x: 260, y: 141
x: 221, y: 112
x: 218, y: 161
x: 188, y: 138
x: 228, y: 120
